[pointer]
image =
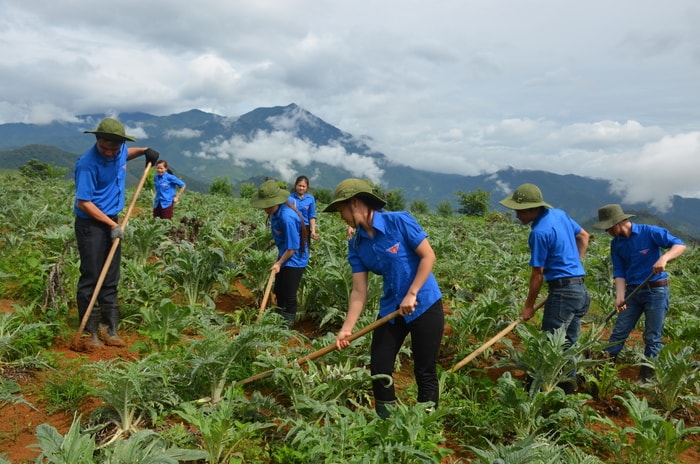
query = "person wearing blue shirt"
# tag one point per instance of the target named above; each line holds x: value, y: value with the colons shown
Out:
x: 292, y: 244
x: 167, y: 192
x: 305, y: 203
x: 636, y: 251
x: 100, y: 184
x: 557, y: 247
x: 394, y: 246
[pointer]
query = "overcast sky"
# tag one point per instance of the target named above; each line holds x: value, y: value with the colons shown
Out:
x: 603, y: 88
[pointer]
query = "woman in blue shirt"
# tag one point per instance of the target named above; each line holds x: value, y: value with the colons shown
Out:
x: 167, y: 194
x: 393, y: 245
x: 305, y: 203
x: 292, y: 244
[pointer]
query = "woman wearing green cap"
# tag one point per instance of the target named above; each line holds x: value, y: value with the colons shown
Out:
x: 393, y: 245
x: 292, y: 240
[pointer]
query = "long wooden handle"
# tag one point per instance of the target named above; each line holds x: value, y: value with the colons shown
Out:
x: 636, y: 289
x: 263, y: 305
x: 326, y: 350
x: 490, y: 342
x: 110, y: 256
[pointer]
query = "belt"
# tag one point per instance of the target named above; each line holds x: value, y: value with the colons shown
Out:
x: 654, y: 284
x: 564, y: 282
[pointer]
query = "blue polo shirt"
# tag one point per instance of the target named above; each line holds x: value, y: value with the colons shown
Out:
x: 306, y: 206
x: 633, y: 258
x: 286, y: 232
x: 552, y: 244
x: 392, y: 255
x: 165, y: 189
x: 101, y: 180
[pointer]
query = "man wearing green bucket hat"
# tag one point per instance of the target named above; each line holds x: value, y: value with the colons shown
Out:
x: 636, y: 252
x: 394, y: 246
x: 292, y: 241
x: 100, y: 186
x: 557, y: 247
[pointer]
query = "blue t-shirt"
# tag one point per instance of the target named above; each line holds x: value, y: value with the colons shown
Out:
x: 165, y: 189
x: 633, y: 258
x: 552, y: 244
x: 101, y: 180
x: 392, y: 255
x: 286, y: 232
x: 306, y: 206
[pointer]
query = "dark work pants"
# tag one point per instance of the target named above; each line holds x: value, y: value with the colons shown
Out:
x: 286, y: 286
x: 426, y: 334
x: 163, y: 213
x: 94, y: 244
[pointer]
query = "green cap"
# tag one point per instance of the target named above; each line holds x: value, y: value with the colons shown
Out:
x: 269, y: 194
x: 350, y: 188
x: 609, y: 215
x: 525, y: 197
x: 111, y: 129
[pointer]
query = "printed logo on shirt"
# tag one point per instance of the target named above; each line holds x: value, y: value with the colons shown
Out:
x: 644, y: 252
x: 394, y: 249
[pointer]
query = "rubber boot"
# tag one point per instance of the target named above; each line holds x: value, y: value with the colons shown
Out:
x: 92, y: 326
x: 568, y: 387
x: 288, y: 317
x: 382, y: 408
x: 110, y: 313
x: 646, y: 373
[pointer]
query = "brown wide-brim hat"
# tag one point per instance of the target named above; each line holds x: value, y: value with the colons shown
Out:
x: 350, y: 188
x: 111, y: 129
x: 269, y: 194
x: 609, y: 215
x: 525, y: 196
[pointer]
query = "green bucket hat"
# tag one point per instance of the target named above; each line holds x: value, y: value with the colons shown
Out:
x: 269, y: 194
x: 609, y: 215
x: 111, y: 129
x: 350, y: 188
x: 525, y: 197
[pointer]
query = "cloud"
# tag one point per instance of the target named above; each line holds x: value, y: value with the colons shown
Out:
x: 454, y: 87
x: 185, y: 133
x: 282, y: 152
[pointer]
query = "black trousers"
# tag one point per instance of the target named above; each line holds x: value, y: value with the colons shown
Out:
x: 286, y: 286
x: 94, y: 244
x: 426, y: 335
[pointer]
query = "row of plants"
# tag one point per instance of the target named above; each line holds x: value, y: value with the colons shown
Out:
x: 186, y: 371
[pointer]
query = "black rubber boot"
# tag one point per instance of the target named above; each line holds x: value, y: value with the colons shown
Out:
x: 646, y: 373
x: 110, y: 314
x: 92, y: 326
x: 288, y: 317
x: 382, y: 408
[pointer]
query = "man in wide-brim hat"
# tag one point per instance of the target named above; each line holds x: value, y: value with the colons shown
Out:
x: 557, y: 246
x: 100, y: 184
x: 636, y: 252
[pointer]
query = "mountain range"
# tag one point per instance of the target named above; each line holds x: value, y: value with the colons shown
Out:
x: 285, y: 141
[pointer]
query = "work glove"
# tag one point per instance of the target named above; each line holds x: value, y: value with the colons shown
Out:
x: 116, y: 233
x: 151, y: 156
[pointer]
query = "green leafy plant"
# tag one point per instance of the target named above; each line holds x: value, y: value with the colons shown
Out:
x: 676, y: 377
x: 135, y: 391
x: 67, y: 388
x: 651, y: 438
x: 224, y: 438
x: 603, y: 379
x: 546, y: 358
x: 71, y: 448
x: 146, y: 446
x: 162, y: 326
x: 195, y: 272
x: 216, y: 357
